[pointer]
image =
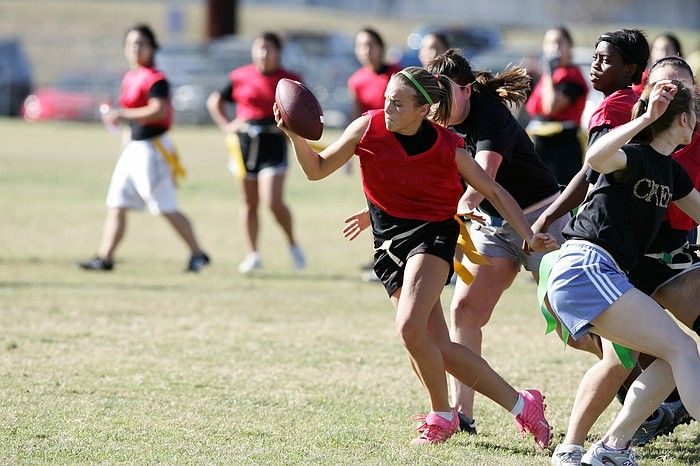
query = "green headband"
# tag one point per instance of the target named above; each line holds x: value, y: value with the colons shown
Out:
x: 418, y: 86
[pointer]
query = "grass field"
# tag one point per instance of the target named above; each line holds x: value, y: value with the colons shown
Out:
x: 148, y: 364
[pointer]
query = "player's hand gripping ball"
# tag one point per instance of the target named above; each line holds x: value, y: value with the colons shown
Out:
x: 299, y: 109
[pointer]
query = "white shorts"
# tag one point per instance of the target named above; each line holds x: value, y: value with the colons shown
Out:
x: 142, y: 178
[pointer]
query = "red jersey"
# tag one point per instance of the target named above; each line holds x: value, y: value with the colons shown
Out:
x: 135, y: 90
x: 368, y: 86
x: 424, y: 186
x: 614, y: 110
x: 561, y: 78
x: 689, y: 158
x: 254, y: 92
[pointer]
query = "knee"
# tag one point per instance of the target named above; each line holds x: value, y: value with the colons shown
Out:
x: 467, y: 316
x: 410, y: 331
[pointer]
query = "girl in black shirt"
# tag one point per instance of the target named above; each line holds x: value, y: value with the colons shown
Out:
x: 588, y: 287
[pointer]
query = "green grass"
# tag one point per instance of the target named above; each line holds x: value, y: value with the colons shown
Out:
x: 151, y: 365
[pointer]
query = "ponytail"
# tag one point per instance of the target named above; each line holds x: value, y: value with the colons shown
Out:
x: 510, y: 87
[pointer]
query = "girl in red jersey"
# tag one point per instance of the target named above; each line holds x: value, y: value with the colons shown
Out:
x: 258, y: 149
x: 367, y: 85
x: 556, y: 105
x: 148, y: 166
x: 411, y: 171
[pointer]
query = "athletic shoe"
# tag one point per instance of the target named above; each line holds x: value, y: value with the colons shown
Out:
x: 680, y: 414
x: 659, y: 422
x: 96, y: 263
x: 466, y: 424
x: 532, y: 418
x: 600, y: 455
x: 298, y: 258
x: 567, y: 455
x: 437, y: 429
x: 197, y: 262
x: 251, y: 262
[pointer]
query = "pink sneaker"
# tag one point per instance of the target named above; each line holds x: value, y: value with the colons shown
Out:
x: 419, y: 419
x: 436, y: 429
x: 532, y: 418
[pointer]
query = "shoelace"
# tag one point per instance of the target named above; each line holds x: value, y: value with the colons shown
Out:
x: 420, y: 418
x: 434, y: 433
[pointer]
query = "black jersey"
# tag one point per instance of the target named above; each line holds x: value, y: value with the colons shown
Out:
x: 491, y: 127
x: 623, y: 211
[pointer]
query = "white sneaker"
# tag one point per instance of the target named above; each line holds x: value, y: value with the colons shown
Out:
x: 297, y: 257
x: 251, y: 262
x: 567, y: 455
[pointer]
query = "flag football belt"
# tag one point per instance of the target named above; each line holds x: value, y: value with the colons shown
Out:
x: 233, y: 143
x: 624, y: 354
x: 498, y: 222
x: 464, y: 242
x: 668, y: 257
x: 172, y: 158
x: 548, y: 128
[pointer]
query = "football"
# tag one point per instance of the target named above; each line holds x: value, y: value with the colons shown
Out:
x: 299, y: 109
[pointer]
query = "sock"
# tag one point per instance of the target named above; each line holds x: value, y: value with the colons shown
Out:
x: 446, y: 415
x: 615, y: 449
x: 673, y: 397
x: 566, y: 447
x: 696, y: 326
x: 519, y: 406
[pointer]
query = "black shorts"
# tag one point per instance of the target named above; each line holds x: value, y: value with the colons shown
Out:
x: 650, y: 274
x: 270, y: 154
x: 436, y: 238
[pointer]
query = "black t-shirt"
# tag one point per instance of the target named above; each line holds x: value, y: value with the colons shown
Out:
x: 623, y: 211
x: 139, y: 132
x: 490, y: 126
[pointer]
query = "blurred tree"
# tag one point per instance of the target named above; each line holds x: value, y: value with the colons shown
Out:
x: 222, y: 18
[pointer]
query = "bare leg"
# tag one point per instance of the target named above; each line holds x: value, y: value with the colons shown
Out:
x: 249, y: 213
x: 468, y: 367
x: 682, y: 297
x: 272, y: 194
x: 643, y: 398
x: 184, y: 228
x: 112, y: 233
x: 636, y: 321
x: 424, y: 278
x: 471, y: 308
x: 595, y: 392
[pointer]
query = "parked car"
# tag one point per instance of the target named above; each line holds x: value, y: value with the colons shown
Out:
x: 471, y: 40
x: 74, y: 97
x: 15, y: 77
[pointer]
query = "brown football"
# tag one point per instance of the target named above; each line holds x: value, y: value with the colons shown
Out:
x: 299, y: 109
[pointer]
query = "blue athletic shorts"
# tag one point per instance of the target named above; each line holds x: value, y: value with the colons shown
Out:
x: 583, y: 283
